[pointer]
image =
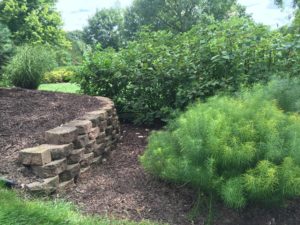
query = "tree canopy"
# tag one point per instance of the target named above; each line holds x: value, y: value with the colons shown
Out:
x: 33, y: 21
x: 104, y: 28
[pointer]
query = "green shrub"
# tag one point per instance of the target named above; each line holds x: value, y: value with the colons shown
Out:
x: 240, y: 149
x: 161, y: 73
x: 59, y: 75
x: 27, y: 67
x: 285, y: 91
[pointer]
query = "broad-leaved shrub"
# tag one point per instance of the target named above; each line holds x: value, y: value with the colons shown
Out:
x: 161, y: 73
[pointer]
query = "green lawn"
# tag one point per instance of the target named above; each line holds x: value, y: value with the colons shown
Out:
x: 60, y: 87
x: 18, y: 211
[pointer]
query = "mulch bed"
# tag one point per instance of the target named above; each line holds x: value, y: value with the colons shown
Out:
x: 119, y: 187
x: 24, y: 117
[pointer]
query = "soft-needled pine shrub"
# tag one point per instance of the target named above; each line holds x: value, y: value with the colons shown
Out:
x: 240, y: 149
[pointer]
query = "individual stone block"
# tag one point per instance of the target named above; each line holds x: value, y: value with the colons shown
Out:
x: 109, y: 109
x: 72, y: 172
x: 103, y: 126
x: 48, y: 186
x: 95, y: 119
x: 97, y: 160
x: 94, y: 133
x: 37, y: 156
x: 75, y: 156
x: 66, y: 186
x: 61, y: 135
x: 99, y: 150
x: 87, y: 160
x: 59, y: 151
x: 51, y: 169
x: 109, y: 121
x: 109, y: 130
x: 83, y: 126
x: 90, y: 147
x: 81, y: 141
x: 84, y: 170
x: 101, y: 113
x: 101, y: 138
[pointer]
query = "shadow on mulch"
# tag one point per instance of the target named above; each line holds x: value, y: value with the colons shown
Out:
x: 120, y: 188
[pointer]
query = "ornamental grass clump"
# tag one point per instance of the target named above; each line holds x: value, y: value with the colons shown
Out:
x: 240, y: 150
x: 30, y: 63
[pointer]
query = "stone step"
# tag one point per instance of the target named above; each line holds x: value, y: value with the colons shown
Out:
x: 48, y: 186
x: 95, y: 119
x: 66, y: 186
x: 83, y: 126
x: 94, y: 133
x: 75, y: 156
x: 90, y: 147
x: 86, y: 160
x: 72, y: 172
x: 37, y: 156
x: 101, y: 113
x: 61, y: 135
x: 51, y: 169
x: 59, y: 151
x: 81, y: 141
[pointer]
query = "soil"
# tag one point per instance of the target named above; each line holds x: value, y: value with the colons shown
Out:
x: 24, y: 117
x: 119, y: 187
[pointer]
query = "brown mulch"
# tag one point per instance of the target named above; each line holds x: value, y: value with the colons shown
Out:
x: 119, y: 187
x: 26, y: 114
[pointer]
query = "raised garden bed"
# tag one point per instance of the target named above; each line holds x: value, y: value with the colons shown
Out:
x: 53, y: 158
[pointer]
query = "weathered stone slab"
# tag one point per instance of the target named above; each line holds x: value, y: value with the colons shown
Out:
x: 94, y: 133
x: 81, y: 141
x: 84, y: 170
x: 109, y: 109
x: 95, y: 119
x: 97, y: 160
x: 90, y: 147
x: 75, y: 156
x: 59, y: 151
x: 109, y: 130
x: 101, y: 113
x: 37, y: 156
x: 83, y: 126
x: 70, y: 173
x: 66, y: 186
x: 61, y: 135
x: 101, y: 138
x: 48, y: 186
x: 99, y: 150
x: 51, y: 169
x: 86, y: 160
x: 103, y: 125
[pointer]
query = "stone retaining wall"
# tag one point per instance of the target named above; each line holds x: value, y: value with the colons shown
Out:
x: 71, y: 149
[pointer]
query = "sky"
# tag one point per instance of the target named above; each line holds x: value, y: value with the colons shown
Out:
x: 76, y: 13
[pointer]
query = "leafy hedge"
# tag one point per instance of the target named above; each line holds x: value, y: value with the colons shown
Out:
x: 161, y: 73
x: 242, y: 150
x: 59, y: 75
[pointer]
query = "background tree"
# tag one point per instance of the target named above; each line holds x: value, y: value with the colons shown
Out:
x: 104, y: 28
x: 174, y: 15
x: 33, y: 21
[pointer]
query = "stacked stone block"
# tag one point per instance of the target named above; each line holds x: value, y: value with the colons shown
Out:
x: 72, y: 148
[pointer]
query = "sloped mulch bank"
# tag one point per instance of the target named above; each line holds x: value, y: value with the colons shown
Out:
x: 122, y: 189
x: 26, y: 114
